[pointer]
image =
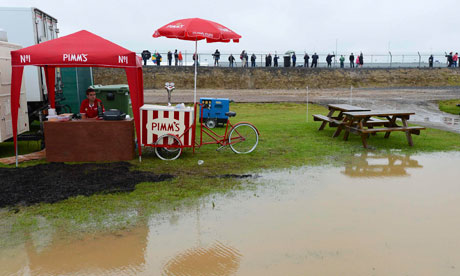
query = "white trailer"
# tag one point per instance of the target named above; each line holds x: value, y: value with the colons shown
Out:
x: 6, y: 128
x: 27, y: 27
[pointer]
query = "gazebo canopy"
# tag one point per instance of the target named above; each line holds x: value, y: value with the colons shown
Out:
x: 80, y: 49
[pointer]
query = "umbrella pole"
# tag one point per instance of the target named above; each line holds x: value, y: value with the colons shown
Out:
x: 17, y: 149
x: 196, y: 64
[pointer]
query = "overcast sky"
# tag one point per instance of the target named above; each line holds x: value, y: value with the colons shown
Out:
x: 370, y: 26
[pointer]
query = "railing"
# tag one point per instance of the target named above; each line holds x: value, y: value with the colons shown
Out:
x: 378, y: 60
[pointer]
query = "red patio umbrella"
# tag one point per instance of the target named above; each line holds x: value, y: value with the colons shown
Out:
x: 197, y: 29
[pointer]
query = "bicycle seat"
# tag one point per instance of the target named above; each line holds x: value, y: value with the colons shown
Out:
x: 230, y: 114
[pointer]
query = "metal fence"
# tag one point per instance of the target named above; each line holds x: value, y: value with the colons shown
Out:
x: 378, y: 60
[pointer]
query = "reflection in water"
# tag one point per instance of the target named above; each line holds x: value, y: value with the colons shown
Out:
x: 218, y: 260
x: 451, y: 121
x: 379, y: 165
x: 92, y: 254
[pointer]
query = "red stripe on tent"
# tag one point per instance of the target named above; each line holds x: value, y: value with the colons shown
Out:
x: 176, y: 115
x: 165, y: 114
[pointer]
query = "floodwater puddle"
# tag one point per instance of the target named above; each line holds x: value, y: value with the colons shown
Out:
x: 379, y: 214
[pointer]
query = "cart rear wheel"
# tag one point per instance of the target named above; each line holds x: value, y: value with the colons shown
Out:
x: 168, y: 147
x: 243, y: 138
x: 211, y: 123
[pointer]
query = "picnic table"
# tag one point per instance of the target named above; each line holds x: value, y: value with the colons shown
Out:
x: 334, y: 121
x: 357, y: 123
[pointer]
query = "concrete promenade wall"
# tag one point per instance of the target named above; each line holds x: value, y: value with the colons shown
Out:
x: 284, y: 78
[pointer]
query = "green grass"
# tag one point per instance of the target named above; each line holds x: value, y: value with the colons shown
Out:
x: 24, y: 147
x: 450, y: 106
x: 286, y: 140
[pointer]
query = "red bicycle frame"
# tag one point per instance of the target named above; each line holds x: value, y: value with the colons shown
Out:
x: 218, y: 139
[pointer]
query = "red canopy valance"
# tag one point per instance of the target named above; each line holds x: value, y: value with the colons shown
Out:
x: 81, y: 49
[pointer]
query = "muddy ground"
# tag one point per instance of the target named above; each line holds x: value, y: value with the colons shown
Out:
x: 58, y: 181
x: 423, y: 101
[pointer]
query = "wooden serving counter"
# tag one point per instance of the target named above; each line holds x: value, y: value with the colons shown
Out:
x: 89, y: 140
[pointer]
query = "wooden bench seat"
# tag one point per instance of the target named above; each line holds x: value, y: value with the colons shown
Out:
x: 331, y: 120
x: 319, y: 117
x: 414, y: 130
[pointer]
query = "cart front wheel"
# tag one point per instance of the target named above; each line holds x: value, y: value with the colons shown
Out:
x: 168, y: 147
x: 243, y: 138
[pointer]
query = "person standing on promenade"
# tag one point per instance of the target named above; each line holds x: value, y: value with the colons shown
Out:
x: 275, y: 60
x: 216, y: 56
x: 180, y: 57
x: 253, y: 60
x: 294, y: 58
x: 449, y: 59
x: 269, y: 60
x: 145, y: 56
x: 361, y: 59
x: 169, y: 58
x: 352, y: 60
x: 266, y: 61
x: 154, y: 58
x: 158, y: 58
x: 243, y: 59
x: 357, y: 62
x: 342, y: 61
x: 314, y: 60
x: 231, y: 59
x: 430, y: 61
x: 306, y: 58
x: 455, y: 59
x: 329, y: 60
x: 176, y: 57
x: 195, y: 58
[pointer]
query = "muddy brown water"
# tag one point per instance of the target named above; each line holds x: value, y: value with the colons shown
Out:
x: 379, y: 214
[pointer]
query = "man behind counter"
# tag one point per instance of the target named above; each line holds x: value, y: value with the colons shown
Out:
x: 88, y: 108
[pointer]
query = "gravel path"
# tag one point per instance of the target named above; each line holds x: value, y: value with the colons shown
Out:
x: 423, y: 101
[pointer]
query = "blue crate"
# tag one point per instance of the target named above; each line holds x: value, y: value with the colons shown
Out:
x: 214, y: 113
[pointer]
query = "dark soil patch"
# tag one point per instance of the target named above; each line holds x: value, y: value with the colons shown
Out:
x: 58, y: 181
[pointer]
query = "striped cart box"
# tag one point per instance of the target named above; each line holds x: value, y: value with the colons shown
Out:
x: 158, y: 120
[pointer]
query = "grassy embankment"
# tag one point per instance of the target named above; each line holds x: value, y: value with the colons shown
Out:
x: 286, y: 140
x: 450, y: 106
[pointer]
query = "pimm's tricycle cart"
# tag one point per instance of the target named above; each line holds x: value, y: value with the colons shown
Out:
x: 169, y: 129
